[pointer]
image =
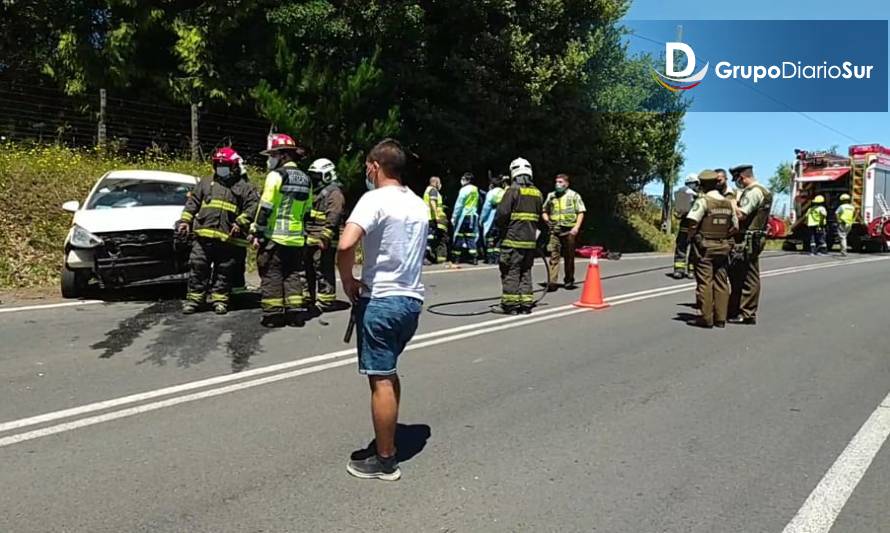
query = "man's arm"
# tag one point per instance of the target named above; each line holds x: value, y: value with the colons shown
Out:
x: 581, y: 209
x: 352, y: 235
x: 266, y: 204
x: 502, y: 215
x: 192, y: 206
x: 335, y: 205
x: 250, y: 200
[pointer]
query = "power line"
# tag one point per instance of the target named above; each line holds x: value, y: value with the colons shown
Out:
x: 774, y: 99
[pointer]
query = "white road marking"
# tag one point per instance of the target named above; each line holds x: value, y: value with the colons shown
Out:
x: 828, y: 499
x: 49, y: 306
x: 463, y: 332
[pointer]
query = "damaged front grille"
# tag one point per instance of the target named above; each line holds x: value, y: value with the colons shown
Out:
x: 131, y: 256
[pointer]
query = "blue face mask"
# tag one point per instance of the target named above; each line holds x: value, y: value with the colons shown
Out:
x: 369, y: 183
x: 561, y: 189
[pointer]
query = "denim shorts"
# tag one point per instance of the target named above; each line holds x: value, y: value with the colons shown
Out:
x: 383, y: 327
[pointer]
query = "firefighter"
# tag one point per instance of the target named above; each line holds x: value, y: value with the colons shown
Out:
x: 754, y: 205
x: 490, y: 233
x: 279, y: 233
x: 712, y: 221
x: 328, y: 208
x: 518, y: 217
x: 437, y: 241
x: 817, y: 221
x: 683, y: 200
x: 563, y: 213
x: 465, y: 220
x: 218, y: 213
x: 846, y: 215
x: 239, y: 283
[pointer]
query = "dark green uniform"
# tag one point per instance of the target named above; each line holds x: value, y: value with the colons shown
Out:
x: 715, y: 220
x: 517, y: 219
x: 756, y: 202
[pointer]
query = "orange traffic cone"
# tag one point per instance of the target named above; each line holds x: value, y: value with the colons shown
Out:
x: 592, y: 295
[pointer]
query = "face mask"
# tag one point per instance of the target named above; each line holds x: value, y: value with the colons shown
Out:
x: 223, y: 172
x: 369, y: 183
x: 561, y: 189
x: 272, y: 163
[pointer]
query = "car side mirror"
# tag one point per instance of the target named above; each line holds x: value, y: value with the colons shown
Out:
x: 71, y: 206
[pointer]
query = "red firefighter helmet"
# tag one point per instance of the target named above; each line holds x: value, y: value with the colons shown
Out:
x: 226, y: 157
x: 280, y: 142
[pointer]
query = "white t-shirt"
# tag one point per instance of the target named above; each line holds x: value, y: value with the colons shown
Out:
x: 396, y: 222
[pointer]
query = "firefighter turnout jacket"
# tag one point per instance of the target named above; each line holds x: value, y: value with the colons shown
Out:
x: 284, y: 206
x: 216, y: 206
x: 518, y: 216
x: 326, y: 215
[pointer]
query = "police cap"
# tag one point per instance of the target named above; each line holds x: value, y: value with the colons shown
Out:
x: 741, y: 169
x: 707, y: 175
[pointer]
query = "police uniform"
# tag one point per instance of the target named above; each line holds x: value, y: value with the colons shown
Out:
x: 328, y: 208
x: 755, y: 201
x: 284, y: 205
x: 437, y: 241
x: 213, y: 209
x: 517, y: 218
x: 712, y: 221
x: 563, y: 210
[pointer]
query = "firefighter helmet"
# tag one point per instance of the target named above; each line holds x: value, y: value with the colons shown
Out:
x: 692, y: 180
x: 520, y: 167
x: 324, y: 170
x: 226, y: 157
x: 280, y: 142
x: 819, y: 199
x: 845, y: 197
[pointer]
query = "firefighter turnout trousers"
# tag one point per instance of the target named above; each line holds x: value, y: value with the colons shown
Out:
x: 321, y: 282
x: 282, y: 273
x: 681, y: 247
x: 211, y: 266
x: 516, y: 278
x: 437, y: 243
x: 561, y: 246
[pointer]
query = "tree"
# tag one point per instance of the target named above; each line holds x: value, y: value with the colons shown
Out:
x: 780, y: 182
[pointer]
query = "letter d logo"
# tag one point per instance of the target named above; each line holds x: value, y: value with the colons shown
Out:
x: 670, y: 55
x: 683, y: 80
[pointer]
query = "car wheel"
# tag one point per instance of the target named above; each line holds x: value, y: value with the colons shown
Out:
x: 789, y: 246
x: 74, y: 283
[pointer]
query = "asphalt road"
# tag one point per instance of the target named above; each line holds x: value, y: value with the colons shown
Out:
x: 622, y: 420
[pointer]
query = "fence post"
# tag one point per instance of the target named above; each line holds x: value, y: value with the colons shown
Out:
x: 195, y: 132
x: 101, y: 136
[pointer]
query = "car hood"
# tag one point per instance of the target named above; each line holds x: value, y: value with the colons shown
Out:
x: 128, y: 219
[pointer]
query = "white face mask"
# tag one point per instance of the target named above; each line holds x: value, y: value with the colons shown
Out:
x: 223, y: 172
x: 272, y: 163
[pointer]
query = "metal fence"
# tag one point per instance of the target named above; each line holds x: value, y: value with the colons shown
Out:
x: 126, y: 125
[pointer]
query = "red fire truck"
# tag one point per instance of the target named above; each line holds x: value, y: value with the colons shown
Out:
x: 864, y: 174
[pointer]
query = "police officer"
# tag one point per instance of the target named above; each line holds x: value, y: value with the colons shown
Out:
x: 279, y: 233
x: 518, y: 218
x: 490, y: 233
x: 754, y: 205
x: 712, y: 221
x: 683, y: 200
x: 465, y: 220
x: 437, y: 241
x: 846, y: 215
x: 817, y: 221
x: 564, y: 214
x: 219, y: 213
x: 328, y: 208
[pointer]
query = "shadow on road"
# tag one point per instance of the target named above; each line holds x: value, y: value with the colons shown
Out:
x: 410, y: 441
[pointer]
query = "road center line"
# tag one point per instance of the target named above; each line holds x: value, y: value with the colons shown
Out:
x: 825, y: 503
x: 448, y: 335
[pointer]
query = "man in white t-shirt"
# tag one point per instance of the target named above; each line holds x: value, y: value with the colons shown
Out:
x: 392, y: 224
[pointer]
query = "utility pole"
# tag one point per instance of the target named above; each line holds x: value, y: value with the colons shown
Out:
x: 102, y: 133
x: 668, y: 181
x: 195, y: 144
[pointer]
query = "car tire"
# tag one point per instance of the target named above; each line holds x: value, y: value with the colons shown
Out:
x: 74, y: 283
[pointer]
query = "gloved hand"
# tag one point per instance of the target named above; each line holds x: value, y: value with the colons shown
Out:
x: 183, y: 227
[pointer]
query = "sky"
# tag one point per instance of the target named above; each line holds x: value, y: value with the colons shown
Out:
x: 765, y: 140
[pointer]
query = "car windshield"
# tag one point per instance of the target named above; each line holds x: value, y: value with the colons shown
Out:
x: 123, y: 193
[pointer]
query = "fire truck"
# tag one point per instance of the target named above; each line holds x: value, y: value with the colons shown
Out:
x: 864, y: 174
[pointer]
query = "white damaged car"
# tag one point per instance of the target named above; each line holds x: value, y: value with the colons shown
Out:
x: 123, y: 234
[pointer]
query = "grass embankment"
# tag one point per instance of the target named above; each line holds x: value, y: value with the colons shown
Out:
x: 35, y: 180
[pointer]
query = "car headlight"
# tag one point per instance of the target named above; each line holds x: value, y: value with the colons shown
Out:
x: 81, y: 238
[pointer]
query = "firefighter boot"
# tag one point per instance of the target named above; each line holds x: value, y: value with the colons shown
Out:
x: 221, y: 308
x: 189, y: 307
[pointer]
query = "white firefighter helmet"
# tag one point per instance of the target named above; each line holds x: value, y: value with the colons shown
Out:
x: 692, y: 180
x: 520, y: 167
x: 324, y: 169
